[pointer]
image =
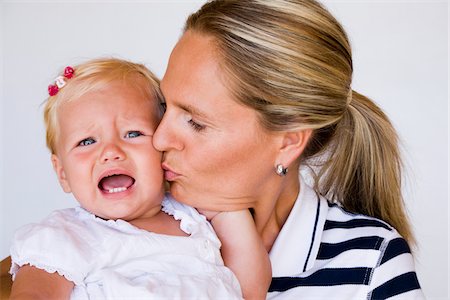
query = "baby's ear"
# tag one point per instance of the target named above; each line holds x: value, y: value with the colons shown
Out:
x: 59, y: 170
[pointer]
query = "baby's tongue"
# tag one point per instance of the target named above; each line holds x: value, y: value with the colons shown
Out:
x: 116, y: 181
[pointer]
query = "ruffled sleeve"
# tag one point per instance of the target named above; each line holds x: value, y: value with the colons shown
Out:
x: 61, y: 243
x: 191, y: 221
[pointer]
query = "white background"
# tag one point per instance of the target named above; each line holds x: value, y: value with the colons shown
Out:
x: 400, y: 51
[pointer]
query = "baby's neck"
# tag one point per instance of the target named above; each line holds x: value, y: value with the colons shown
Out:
x: 160, y: 223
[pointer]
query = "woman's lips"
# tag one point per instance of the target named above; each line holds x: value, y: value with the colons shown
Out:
x: 169, y: 175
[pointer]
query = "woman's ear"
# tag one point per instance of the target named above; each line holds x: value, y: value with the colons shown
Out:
x: 292, y: 146
x: 59, y: 170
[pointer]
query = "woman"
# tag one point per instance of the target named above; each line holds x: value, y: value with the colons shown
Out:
x: 257, y: 90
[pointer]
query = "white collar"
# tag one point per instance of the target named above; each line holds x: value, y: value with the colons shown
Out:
x: 297, y: 244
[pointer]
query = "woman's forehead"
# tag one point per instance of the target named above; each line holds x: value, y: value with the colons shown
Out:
x: 196, y: 50
x: 193, y: 71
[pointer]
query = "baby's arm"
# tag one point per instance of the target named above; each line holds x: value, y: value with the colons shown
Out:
x: 243, y: 252
x: 34, y: 283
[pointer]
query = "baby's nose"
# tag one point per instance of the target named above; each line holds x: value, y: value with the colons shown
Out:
x: 112, y: 152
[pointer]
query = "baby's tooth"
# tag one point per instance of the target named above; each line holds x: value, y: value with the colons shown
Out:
x: 117, y: 190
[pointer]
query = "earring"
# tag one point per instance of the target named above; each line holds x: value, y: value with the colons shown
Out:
x: 281, y: 171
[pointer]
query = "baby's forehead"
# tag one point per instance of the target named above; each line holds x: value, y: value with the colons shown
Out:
x: 132, y: 101
x: 78, y: 88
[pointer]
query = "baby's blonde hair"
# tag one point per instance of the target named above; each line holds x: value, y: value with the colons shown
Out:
x: 93, y: 75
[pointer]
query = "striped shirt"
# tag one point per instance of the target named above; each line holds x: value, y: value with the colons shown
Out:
x: 325, y: 252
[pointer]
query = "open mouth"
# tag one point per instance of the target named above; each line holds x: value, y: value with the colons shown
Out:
x: 116, y: 183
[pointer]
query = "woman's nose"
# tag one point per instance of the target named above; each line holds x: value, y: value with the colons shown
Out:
x: 112, y: 152
x: 166, y: 136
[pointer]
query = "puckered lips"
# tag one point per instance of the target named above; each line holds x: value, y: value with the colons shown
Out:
x: 169, y: 174
x: 115, y: 182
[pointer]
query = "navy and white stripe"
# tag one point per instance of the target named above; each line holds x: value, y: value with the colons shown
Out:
x: 356, y: 257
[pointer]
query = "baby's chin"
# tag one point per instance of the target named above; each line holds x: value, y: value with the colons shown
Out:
x: 111, y: 213
x: 116, y: 217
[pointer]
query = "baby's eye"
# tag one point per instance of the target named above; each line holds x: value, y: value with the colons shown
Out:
x: 133, y: 134
x: 86, y: 142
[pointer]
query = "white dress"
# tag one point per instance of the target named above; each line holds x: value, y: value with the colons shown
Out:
x: 109, y: 259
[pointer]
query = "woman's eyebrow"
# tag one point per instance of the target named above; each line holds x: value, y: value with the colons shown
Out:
x: 193, y: 110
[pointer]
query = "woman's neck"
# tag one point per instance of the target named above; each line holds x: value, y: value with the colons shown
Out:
x: 271, y: 215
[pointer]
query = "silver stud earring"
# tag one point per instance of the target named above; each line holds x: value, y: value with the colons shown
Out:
x: 282, y: 171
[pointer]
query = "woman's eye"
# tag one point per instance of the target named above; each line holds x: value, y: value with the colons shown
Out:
x: 133, y: 134
x: 195, y: 125
x: 86, y: 142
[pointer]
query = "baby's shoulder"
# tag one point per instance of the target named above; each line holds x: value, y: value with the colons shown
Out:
x: 70, y: 226
x: 58, y: 220
x: 49, y: 243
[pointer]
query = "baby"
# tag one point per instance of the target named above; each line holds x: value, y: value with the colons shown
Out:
x: 128, y: 239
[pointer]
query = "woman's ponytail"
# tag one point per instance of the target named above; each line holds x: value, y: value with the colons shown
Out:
x: 363, y: 171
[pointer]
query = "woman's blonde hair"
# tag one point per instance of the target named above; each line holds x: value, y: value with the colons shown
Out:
x: 291, y: 61
x: 96, y: 74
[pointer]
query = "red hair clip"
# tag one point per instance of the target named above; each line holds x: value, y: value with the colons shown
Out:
x: 60, y: 81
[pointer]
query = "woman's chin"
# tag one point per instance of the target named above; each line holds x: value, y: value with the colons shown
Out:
x: 207, y: 201
x: 182, y: 195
